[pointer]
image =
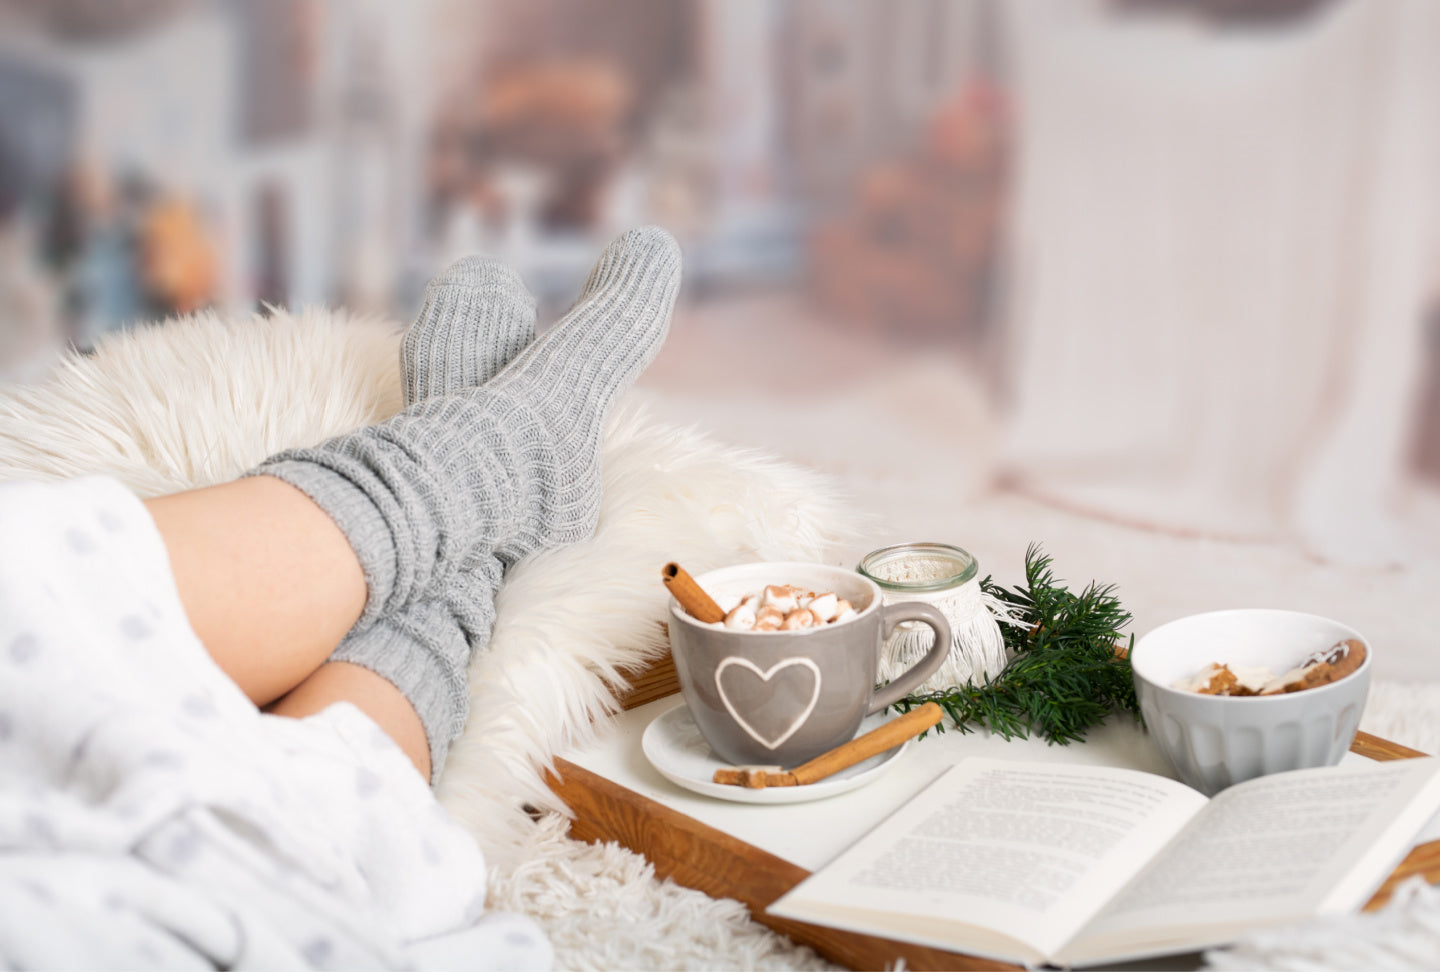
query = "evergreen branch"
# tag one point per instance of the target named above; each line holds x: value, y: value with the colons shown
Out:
x: 1067, y: 671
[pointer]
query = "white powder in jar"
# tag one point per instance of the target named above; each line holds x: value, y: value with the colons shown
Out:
x: 917, y: 570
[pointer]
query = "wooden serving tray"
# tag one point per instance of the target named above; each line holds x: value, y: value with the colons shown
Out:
x: 699, y: 856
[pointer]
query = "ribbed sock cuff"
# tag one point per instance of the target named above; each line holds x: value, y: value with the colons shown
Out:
x: 431, y: 675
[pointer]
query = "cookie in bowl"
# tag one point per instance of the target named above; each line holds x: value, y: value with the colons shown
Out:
x: 1253, y: 723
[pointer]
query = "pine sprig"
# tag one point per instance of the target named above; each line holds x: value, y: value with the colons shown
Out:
x: 1068, y: 668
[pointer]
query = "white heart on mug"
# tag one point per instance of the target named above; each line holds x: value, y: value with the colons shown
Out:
x: 766, y: 676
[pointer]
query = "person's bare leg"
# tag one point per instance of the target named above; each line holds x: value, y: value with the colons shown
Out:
x: 269, y: 582
x: 271, y: 585
x: 372, y: 694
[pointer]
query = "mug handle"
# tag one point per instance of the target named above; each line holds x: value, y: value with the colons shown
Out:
x: 892, y: 615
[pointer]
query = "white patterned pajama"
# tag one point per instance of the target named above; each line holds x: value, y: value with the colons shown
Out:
x: 152, y: 817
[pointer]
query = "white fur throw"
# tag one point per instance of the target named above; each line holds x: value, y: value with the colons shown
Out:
x: 200, y: 400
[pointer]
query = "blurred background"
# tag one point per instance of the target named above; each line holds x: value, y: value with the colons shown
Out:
x: 165, y: 155
x: 1168, y: 262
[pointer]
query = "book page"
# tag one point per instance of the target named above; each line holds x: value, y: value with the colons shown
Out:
x: 1027, y: 851
x: 1289, y: 846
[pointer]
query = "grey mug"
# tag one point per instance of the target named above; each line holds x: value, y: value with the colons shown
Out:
x: 784, y: 697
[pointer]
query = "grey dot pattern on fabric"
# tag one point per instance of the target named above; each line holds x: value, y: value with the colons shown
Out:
x: 38, y: 891
x: 23, y: 648
x: 110, y: 521
x: 80, y: 541
x: 367, y: 783
x: 7, y: 726
x: 198, y: 706
x: 135, y: 628
x: 39, y: 830
x: 317, y: 951
x: 181, y: 848
x: 164, y: 759
x: 78, y: 754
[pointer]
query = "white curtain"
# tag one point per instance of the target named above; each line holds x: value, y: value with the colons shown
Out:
x: 1223, y: 244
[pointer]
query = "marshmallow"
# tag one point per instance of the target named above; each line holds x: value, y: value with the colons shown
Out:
x: 824, y: 606
x: 798, y: 619
x: 769, y: 619
x: 783, y: 607
x: 782, y: 599
x: 742, y: 616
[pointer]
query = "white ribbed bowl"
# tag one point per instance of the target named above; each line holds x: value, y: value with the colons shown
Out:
x: 1214, y: 741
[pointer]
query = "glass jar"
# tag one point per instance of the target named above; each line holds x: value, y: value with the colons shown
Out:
x: 949, y: 578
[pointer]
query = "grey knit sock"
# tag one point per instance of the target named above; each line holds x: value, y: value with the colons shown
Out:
x: 500, y: 470
x: 474, y: 319
x: 425, y: 649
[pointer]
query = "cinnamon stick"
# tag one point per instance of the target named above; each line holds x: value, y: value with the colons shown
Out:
x: 692, y: 596
x: 877, y: 740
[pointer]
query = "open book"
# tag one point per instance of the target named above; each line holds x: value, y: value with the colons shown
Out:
x: 1045, y: 862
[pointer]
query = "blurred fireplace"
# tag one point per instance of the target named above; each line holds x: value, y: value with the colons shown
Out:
x: 564, y: 89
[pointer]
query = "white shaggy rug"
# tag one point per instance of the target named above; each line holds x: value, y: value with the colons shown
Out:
x: 198, y: 401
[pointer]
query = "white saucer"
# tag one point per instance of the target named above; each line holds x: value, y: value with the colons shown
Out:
x: 676, y: 749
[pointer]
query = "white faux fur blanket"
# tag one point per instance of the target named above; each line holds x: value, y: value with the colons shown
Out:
x: 199, y: 400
